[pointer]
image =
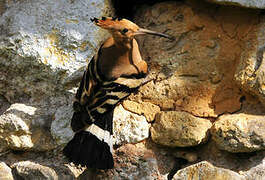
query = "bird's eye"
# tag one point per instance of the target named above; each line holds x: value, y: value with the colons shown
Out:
x: 125, y: 30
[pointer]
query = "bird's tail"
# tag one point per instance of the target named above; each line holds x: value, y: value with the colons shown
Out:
x: 92, y: 147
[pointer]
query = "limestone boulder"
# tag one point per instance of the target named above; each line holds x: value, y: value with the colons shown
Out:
x: 31, y: 171
x: 129, y: 127
x: 205, y: 171
x: 239, y: 132
x: 20, y: 131
x: 179, y: 129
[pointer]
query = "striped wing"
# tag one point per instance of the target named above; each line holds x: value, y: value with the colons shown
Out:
x: 97, y: 96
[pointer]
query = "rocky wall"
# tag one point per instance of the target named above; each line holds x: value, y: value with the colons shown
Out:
x: 202, y: 115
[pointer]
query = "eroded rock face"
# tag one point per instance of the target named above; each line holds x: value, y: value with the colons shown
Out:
x: 44, y: 47
x: 44, y: 44
x: 179, y: 129
x: 195, y: 73
x: 240, y: 132
x: 205, y: 171
x: 250, y: 73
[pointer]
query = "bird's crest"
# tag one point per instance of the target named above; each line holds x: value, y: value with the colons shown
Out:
x: 115, y: 23
x: 121, y: 27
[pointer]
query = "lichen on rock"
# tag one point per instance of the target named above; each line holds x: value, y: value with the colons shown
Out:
x: 240, y: 132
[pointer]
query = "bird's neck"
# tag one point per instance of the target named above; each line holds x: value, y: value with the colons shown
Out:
x: 121, y: 57
x: 123, y: 43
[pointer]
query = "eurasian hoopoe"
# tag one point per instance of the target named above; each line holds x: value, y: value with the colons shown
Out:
x: 116, y: 71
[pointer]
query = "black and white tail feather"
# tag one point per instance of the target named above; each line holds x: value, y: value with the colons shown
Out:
x: 92, y: 121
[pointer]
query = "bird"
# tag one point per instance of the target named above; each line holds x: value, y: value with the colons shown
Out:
x: 116, y: 71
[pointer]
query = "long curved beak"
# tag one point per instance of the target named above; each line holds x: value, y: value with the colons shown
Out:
x: 146, y: 31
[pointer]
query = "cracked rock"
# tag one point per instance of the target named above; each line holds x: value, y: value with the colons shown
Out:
x: 147, y: 109
x: 191, y: 74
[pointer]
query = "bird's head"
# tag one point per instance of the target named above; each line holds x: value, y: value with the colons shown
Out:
x: 123, y: 28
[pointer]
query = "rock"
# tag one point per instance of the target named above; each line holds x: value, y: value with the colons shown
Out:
x: 47, y: 42
x: 191, y: 73
x: 239, y: 132
x: 60, y: 127
x: 32, y: 171
x: 44, y: 47
x: 18, y: 130
x: 259, y: 4
x: 147, y: 109
x: 179, y: 129
x: 250, y: 73
x: 5, y: 172
x: 128, y: 127
x: 204, y: 171
x: 2, y: 7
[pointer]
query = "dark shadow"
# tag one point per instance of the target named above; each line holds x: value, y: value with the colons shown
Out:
x: 126, y: 9
x: 224, y: 159
x: 179, y: 162
x: 170, y: 160
x: 4, y: 104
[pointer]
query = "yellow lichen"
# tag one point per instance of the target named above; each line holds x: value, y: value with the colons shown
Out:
x: 53, y: 51
x: 71, y: 21
x: 83, y: 46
